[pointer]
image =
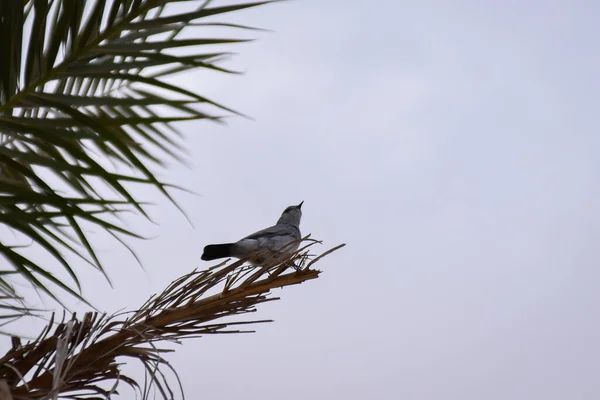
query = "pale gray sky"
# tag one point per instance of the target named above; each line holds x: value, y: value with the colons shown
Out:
x: 453, y: 147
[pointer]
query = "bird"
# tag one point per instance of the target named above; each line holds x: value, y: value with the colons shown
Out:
x: 278, y: 240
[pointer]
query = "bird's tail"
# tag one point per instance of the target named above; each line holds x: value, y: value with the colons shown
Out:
x: 214, y: 251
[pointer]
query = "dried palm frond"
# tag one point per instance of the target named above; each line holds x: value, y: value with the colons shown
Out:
x: 80, y: 357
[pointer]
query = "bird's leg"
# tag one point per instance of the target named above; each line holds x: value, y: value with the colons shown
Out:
x: 296, y: 267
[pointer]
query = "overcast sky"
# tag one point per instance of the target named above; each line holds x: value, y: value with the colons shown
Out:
x: 453, y: 146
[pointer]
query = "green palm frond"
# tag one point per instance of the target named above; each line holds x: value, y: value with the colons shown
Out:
x: 82, y: 95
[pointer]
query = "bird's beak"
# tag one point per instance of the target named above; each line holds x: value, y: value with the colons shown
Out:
x: 300, y: 205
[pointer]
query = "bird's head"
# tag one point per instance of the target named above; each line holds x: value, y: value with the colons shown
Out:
x: 291, y: 215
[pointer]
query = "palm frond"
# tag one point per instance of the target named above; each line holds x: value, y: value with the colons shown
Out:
x: 80, y: 358
x: 83, y: 89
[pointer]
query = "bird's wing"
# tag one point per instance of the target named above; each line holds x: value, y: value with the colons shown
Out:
x: 275, y: 230
x: 274, y: 238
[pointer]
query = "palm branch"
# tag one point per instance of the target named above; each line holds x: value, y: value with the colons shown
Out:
x: 81, y: 358
x: 83, y: 96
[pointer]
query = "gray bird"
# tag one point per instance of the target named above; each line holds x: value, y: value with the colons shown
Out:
x: 277, y: 240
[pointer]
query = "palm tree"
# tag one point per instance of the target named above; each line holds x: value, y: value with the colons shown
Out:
x: 82, y: 98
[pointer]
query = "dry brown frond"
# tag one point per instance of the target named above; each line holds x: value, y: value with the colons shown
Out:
x: 79, y: 358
